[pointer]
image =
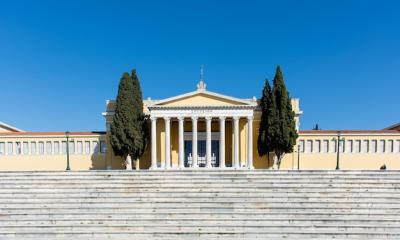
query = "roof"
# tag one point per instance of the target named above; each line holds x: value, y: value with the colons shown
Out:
x: 349, y: 131
x: 393, y: 127
x: 9, y: 127
x: 51, y: 133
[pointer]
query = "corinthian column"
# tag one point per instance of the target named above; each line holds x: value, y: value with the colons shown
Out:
x: 181, y: 146
x: 194, y: 142
x: 208, y: 142
x: 250, y: 142
x: 153, y: 143
x: 222, y: 142
x: 236, y: 142
x: 167, y: 143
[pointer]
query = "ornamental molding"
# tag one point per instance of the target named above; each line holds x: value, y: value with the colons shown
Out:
x: 201, y: 113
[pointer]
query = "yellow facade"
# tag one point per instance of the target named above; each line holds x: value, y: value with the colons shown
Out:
x: 362, y: 149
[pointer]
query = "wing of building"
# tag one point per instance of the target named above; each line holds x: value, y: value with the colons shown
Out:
x: 200, y: 129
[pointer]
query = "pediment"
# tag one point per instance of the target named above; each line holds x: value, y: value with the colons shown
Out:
x: 203, y: 98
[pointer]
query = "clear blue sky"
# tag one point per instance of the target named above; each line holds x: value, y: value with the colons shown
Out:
x: 61, y: 60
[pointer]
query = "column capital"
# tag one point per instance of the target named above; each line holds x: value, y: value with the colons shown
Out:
x: 180, y: 118
x: 167, y: 118
x: 235, y: 118
x: 208, y: 118
x: 152, y: 118
x: 194, y: 118
x: 222, y: 118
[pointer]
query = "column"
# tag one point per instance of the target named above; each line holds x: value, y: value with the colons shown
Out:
x: 194, y: 142
x: 250, y: 142
x: 236, y: 142
x: 222, y: 142
x: 181, y: 146
x: 167, y: 143
x: 153, y: 143
x: 208, y: 142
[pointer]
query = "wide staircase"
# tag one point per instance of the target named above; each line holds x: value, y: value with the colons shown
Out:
x: 201, y: 204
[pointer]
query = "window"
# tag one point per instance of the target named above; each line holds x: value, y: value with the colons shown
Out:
x: 64, y: 147
x: 56, y: 147
x: 71, y: 147
x: 349, y: 146
x: 357, y: 146
x: 87, y: 147
x: 80, y: 147
x: 25, y: 148
x: 33, y: 148
x: 398, y: 146
x: 10, y: 148
x: 333, y: 146
x: 325, y: 146
x: 374, y: 146
x: 41, y: 148
x: 381, y: 148
x: 390, y: 146
x: 49, y: 150
x: 317, y: 146
x: 341, y: 146
x: 309, y: 146
x: 365, y: 147
x: 95, y: 147
x: 2, y: 148
x: 18, y: 148
x: 103, y: 147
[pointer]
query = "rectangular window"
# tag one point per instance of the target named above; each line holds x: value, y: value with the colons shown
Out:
x: 309, y: 146
x: 357, y: 146
x: 41, y: 148
x: 2, y: 148
x: 87, y: 147
x: 95, y: 147
x: 103, y: 147
x: 18, y: 148
x: 325, y: 146
x: 333, y: 146
x: 374, y: 146
x: 64, y: 147
x: 365, y: 146
x: 390, y: 146
x: 33, y: 148
x: 381, y: 147
x: 56, y: 147
x: 10, y: 148
x: 49, y: 149
x: 71, y: 147
x: 398, y: 146
x: 349, y: 146
x: 25, y: 148
x: 80, y: 147
x: 317, y: 146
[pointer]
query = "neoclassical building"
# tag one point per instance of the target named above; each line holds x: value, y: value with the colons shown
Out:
x: 200, y: 130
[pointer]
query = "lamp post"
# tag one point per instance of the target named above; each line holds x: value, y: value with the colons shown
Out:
x: 298, y: 157
x: 67, y: 136
x: 338, y: 150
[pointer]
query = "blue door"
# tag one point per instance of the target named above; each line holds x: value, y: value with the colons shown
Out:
x: 202, y: 151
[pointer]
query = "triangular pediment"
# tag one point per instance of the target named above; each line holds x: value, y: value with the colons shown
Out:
x: 203, y: 98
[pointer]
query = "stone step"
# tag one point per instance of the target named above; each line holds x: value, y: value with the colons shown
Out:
x: 233, y: 210
x: 121, y: 199
x: 202, y: 215
x: 134, y: 221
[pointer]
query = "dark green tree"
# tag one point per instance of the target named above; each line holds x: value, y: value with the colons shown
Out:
x: 129, y: 127
x: 282, y: 130
x: 264, y: 139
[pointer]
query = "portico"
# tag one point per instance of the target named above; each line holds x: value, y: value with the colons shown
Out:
x: 205, y: 148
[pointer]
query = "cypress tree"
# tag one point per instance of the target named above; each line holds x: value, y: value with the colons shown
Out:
x: 129, y: 127
x: 264, y: 139
x: 283, y: 126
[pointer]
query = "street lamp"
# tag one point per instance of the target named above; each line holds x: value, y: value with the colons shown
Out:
x: 338, y: 150
x: 298, y: 157
x: 67, y: 136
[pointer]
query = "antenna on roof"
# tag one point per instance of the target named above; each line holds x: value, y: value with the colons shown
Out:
x: 201, y: 86
x: 201, y: 72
